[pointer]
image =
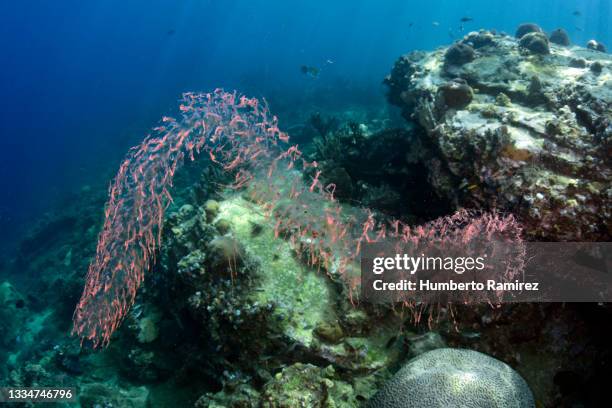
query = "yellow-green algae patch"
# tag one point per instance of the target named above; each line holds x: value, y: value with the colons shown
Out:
x: 302, y: 295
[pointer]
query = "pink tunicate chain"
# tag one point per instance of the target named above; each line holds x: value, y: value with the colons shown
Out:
x: 241, y: 136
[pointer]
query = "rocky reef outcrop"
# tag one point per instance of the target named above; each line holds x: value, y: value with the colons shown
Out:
x: 523, y: 125
x: 279, y: 328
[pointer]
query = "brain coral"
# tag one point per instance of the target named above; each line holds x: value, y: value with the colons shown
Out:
x: 454, y: 378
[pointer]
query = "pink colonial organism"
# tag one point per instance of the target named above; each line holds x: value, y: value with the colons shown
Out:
x: 239, y: 135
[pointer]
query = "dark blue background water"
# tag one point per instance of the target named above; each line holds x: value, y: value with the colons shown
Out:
x: 81, y: 81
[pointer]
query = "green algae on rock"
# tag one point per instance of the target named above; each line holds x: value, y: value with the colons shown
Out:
x: 270, y: 310
x: 303, y: 297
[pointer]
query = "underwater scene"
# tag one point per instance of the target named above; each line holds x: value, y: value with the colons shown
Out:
x: 279, y: 204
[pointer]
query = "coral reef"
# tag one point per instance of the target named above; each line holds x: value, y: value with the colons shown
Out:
x: 139, y: 197
x: 534, y: 139
x: 252, y: 298
x: 240, y: 136
x: 323, y: 125
x: 307, y: 386
x: 100, y: 395
x: 359, y: 162
x: 277, y: 311
x: 269, y: 331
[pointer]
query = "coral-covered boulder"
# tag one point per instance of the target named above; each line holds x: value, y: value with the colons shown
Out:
x: 455, y: 94
x: 534, y: 139
x: 479, y: 39
x: 596, y: 46
x: 527, y: 28
x: 560, y: 37
x: 537, y: 43
x: 459, y: 54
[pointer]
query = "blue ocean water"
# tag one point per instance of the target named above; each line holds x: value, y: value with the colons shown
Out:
x: 80, y: 82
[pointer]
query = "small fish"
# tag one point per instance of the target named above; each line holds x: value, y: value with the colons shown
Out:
x: 312, y: 72
x: 171, y: 32
x: 330, y: 62
x: 410, y: 24
x: 435, y: 24
x: 576, y: 13
x: 466, y: 19
x: 579, y: 29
